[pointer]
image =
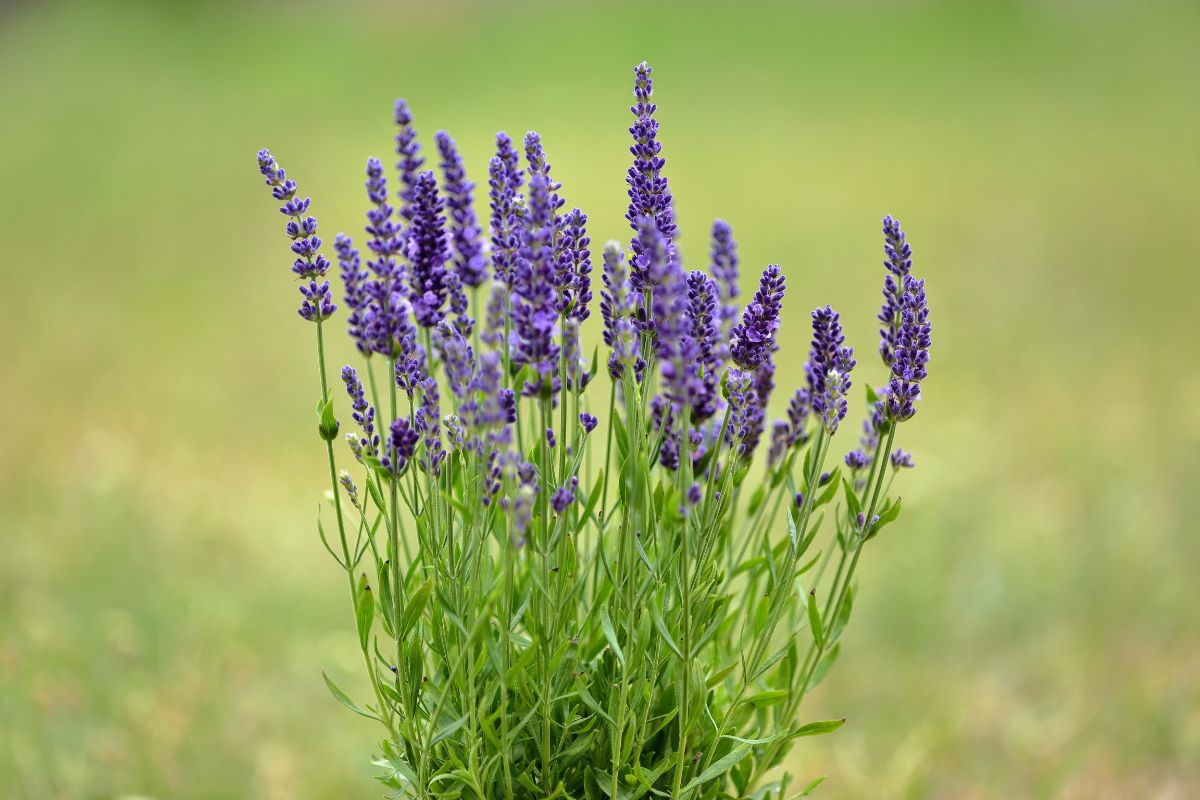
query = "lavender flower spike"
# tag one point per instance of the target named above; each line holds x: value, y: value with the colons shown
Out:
x: 310, y: 264
x: 355, y: 294
x: 495, y: 313
x: 457, y: 357
x: 386, y: 321
x: 410, y: 161
x: 911, y: 356
x: 649, y: 195
x: 564, y: 495
x: 469, y: 261
x: 427, y: 252
x: 535, y: 156
x: 616, y: 307
x: 753, y: 339
x: 428, y: 421
x: 402, y: 443
x: 828, y: 369
x: 702, y: 310
x: 534, y: 317
x: 575, y: 266
x: 504, y: 182
x: 898, y: 265
x: 364, y: 413
x: 724, y: 258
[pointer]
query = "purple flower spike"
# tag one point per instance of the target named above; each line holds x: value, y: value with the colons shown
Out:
x: 551, y: 442
x: 911, y: 355
x: 702, y: 313
x: 745, y: 414
x: 898, y: 264
x: 828, y: 369
x: 428, y: 422
x: 616, y: 300
x: 364, y: 413
x: 469, y: 261
x: 564, y: 496
x: 576, y: 369
x: 753, y: 339
x: 427, y: 252
x: 457, y: 357
x: 410, y: 372
x: 535, y: 157
x: 354, y: 283
x: 857, y: 459
x: 902, y: 460
x: 588, y: 421
x: 575, y: 266
x: 309, y: 264
x: 493, y: 321
x: 409, y: 165
x: 504, y: 182
x: 655, y: 273
x: 798, y: 408
x: 724, y: 270
x: 386, y: 320
x: 649, y: 195
x: 534, y: 317
x: 402, y: 443
x: 780, y: 433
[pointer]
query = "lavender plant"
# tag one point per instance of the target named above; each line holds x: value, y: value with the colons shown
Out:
x: 563, y: 589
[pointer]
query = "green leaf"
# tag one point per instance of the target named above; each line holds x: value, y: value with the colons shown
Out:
x: 415, y: 607
x: 887, y: 516
x: 755, y: 742
x: 818, y: 728
x: 756, y: 500
x: 327, y: 425
x: 662, y: 630
x: 852, y: 503
x: 376, y: 497
x: 611, y: 634
x: 814, y: 619
x: 768, y: 697
x: 811, y: 787
x: 345, y: 700
x: 449, y: 728
x: 594, y: 497
x: 824, y: 665
x: 719, y: 767
x: 773, y: 660
x: 720, y: 674
x: 621, y: 435
x: 830, y: 489
x: 590, y: 702
x: 364, y: 611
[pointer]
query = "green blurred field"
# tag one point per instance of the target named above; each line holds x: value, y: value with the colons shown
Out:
x: 1030, y: 629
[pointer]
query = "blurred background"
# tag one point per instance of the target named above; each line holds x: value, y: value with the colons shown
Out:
x: 1029, y: 629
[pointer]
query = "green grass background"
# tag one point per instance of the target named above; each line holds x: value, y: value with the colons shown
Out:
x: 1031, y: 627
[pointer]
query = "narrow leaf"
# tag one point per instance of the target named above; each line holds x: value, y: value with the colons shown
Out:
x: 415, y: 607
x: 719, y: 767
x: 814, y: 619
x: 364, y: 611
x: 611, y: 634
x: 345, y: 700
x: 818, y: 728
